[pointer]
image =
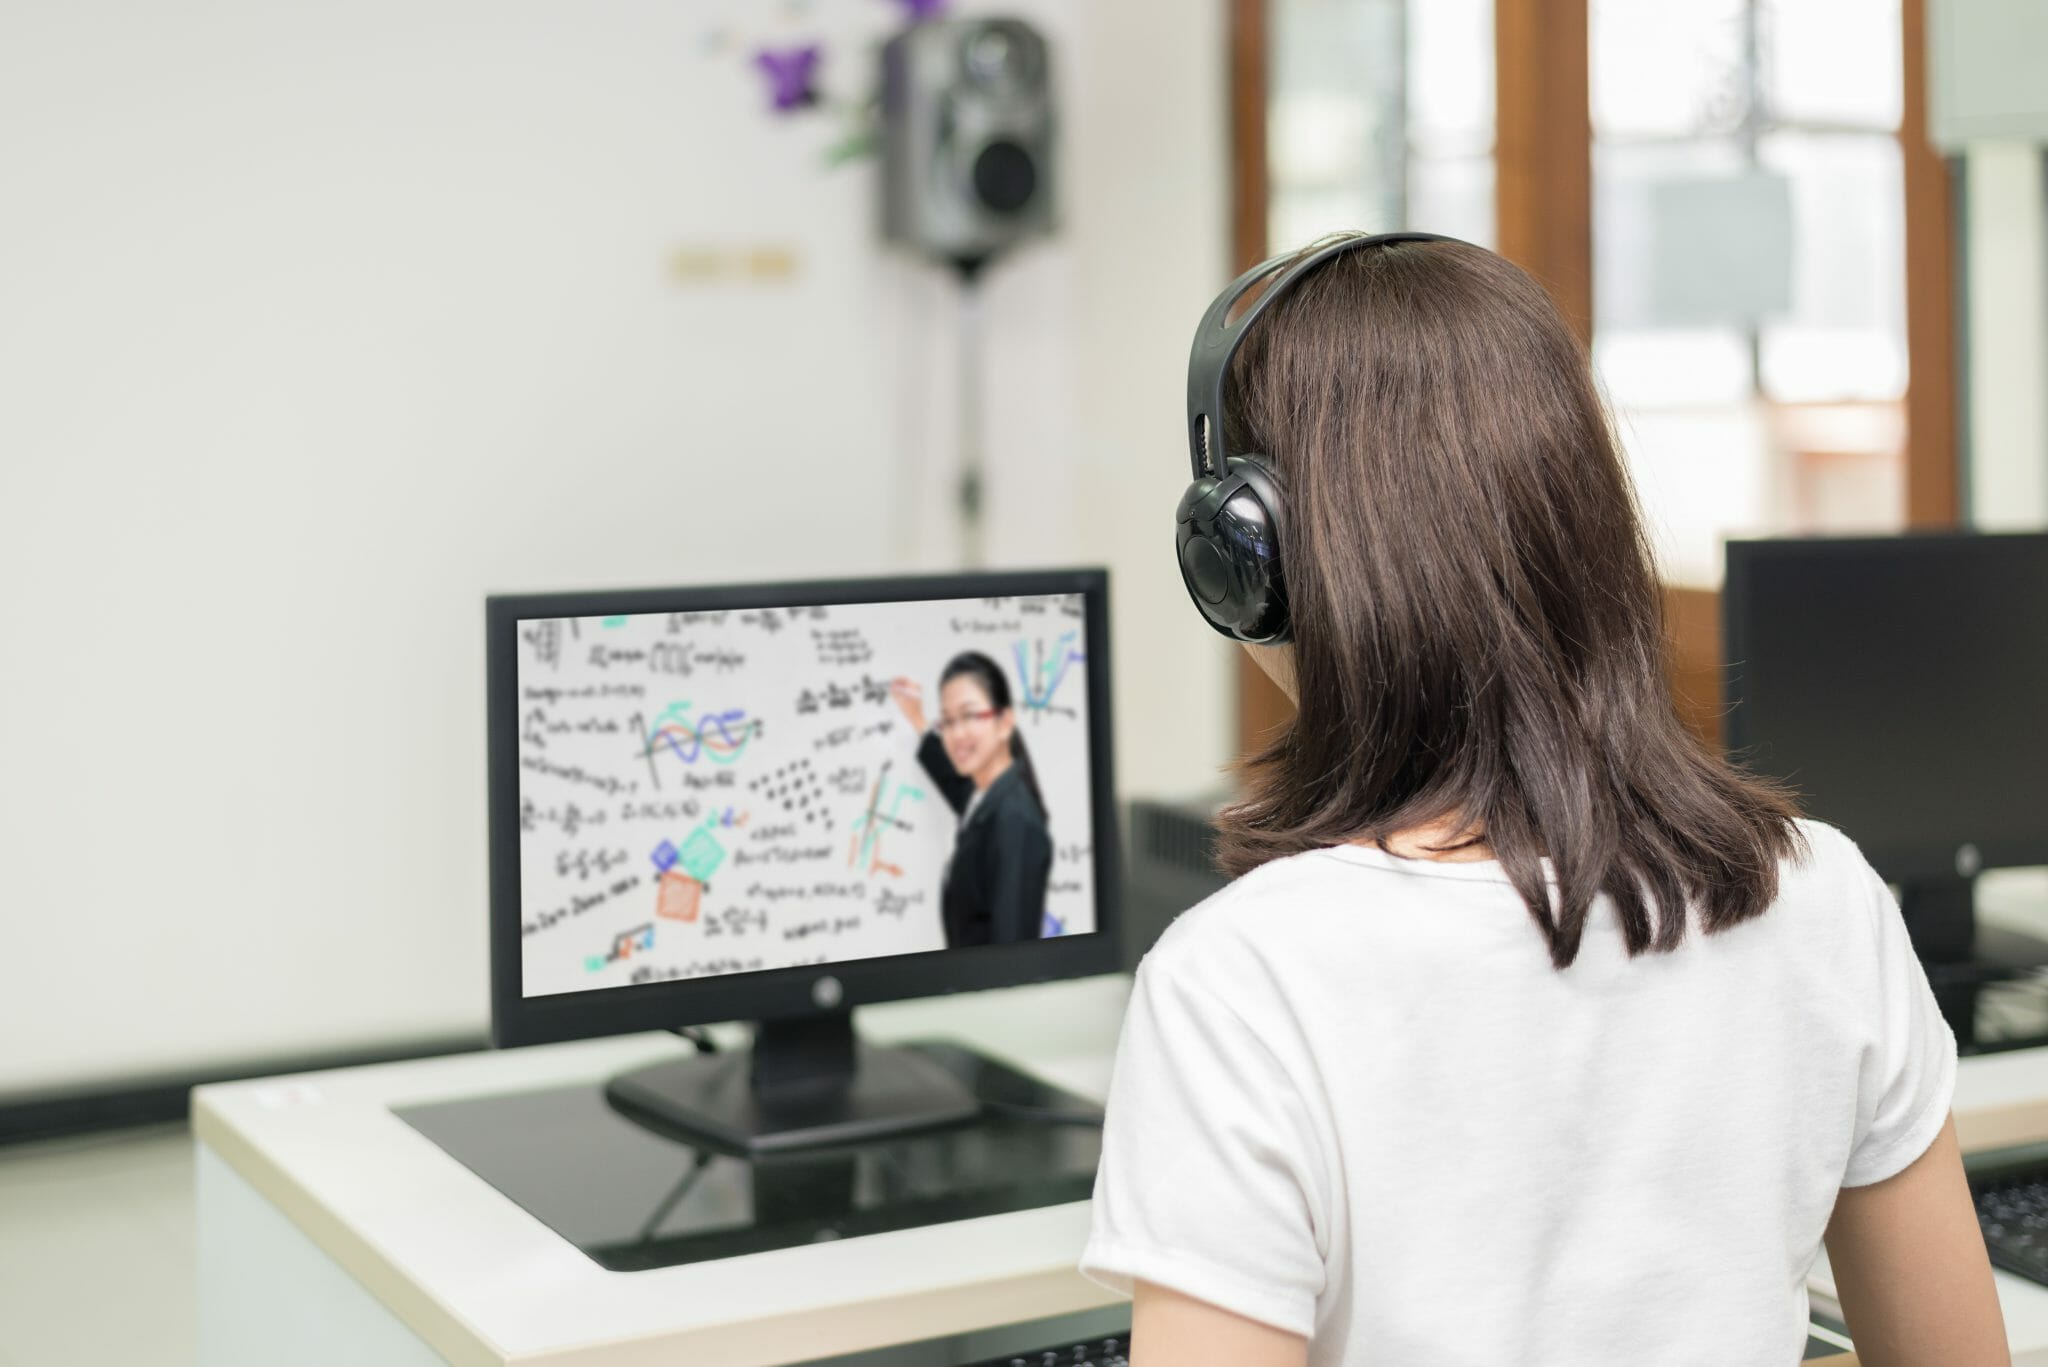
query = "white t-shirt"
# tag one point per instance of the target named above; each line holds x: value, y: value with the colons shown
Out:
x: 1353, y: 1099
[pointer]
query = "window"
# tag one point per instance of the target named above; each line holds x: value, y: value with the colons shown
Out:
x: 1749, y: 265
x: 1380, y: 117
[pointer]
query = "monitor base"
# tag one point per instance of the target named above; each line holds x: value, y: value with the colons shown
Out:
x: 632, y: 1195
x: 1985, y: 997
x: 804, y: 1085
x: 1987, y: 979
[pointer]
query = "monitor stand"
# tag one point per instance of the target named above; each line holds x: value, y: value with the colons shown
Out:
x: 632, y: 1194
x: 807, y: 1082
x: 1962, y: 956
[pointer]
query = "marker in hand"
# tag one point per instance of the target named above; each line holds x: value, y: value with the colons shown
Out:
x: 910, y: 698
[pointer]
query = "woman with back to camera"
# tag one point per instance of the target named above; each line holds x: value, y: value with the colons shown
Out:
x: 993, y: 891
x: 1531, y: 1033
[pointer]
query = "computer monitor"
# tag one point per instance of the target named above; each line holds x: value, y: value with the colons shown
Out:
x: 1900, y: 685
x: 779, y: 802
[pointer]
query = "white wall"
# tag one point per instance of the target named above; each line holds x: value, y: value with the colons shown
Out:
x: 1149, y: 211
x: 1985, y: 71
x: 321, y: 322
x: 2006, y: 258
x: 1988, y: 105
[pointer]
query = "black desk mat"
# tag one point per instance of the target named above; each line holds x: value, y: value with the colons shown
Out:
x: 633, y: 1198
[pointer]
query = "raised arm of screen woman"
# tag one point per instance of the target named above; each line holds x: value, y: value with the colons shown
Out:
x: 954, y: 786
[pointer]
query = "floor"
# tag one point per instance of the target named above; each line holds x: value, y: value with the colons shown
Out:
x: 96, y: 1251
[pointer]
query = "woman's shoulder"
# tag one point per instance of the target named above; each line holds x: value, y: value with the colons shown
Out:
x: 1011, y: 796
x: 1823, y: 865
x: 1259, y: 917
x: 1827, y: 876
x: 1291, y: 912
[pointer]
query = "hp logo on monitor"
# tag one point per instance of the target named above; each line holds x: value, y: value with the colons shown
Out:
x: 826, y: 993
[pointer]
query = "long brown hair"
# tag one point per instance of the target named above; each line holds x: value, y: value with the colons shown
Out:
x: 1478, y: 632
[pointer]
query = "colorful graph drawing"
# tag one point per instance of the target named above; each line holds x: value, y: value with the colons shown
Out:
x: 679, y: 898
x: 1051, y: 926
x: 720, y: 737
x: 701, y: 853
x: 1041, y: 671
x: 664, y: 857
x: 870, y: 825
x: 624, y: 945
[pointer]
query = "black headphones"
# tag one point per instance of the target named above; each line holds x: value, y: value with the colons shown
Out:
x: 1231, y: 524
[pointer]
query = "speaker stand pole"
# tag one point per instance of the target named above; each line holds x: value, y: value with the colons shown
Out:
x: 968, y: 379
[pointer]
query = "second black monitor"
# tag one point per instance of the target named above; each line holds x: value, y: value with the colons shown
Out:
x: 1898, y: 683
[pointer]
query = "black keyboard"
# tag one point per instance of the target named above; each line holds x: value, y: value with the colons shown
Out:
x: 1095, y: 1338
x: 2012, y: 1208
x: 1102, y: 1352
x: 1087, y: 1338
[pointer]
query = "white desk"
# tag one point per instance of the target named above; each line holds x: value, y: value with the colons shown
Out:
x: 331, y: 1232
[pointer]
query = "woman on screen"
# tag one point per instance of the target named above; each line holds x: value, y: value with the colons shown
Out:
x: 1530, y: 1031
x: 994, y: 885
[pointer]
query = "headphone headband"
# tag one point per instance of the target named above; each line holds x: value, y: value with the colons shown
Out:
x: 1230, y: 530
x: 1216, y: 341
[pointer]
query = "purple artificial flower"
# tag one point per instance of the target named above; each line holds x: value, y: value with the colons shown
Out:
x: 790, y: 73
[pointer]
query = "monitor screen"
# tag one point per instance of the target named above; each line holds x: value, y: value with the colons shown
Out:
x: 734, y: 790
x: 1897, y: 684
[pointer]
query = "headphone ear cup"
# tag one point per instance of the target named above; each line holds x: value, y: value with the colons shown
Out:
x: 1228, y: 535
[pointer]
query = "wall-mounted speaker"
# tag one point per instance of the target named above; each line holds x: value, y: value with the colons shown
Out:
x: 967, y: 137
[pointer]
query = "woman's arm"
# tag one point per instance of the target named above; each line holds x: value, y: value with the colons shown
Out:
x: 910, y: 698
x: 1172, y: 1330
x: 1910, y: 1267
x: 931, y: 751
x: 953, y: 786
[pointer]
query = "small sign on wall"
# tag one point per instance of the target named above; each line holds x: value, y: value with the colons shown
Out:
x: 758, y: 264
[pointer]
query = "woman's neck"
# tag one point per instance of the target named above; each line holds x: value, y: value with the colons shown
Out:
x: 1449, y: 841
x: 998, y: 765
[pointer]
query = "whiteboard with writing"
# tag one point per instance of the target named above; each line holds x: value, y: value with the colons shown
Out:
x: 727, y: 792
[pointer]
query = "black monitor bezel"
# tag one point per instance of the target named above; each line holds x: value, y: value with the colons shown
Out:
x: 784, y: 992
x: 1933, y: 859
